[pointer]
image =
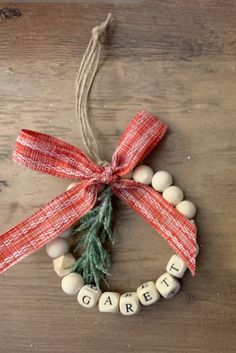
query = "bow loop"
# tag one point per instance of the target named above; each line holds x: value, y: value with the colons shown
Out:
x: 47, y: 154
x: 142, y: 134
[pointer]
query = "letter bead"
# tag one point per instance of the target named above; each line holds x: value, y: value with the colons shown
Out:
x: 173, y: 195
x: 148, y: 293
x: 167, y: 285
x: 88, y: 296
x: 57, y: 247
x: 161, y: 180
x: 143, y: 174
x: 62, y: 265
x: 187, y: 208
x: 109, y: 302
x: 72, y: 283
x: 176, y: 266
x: 129, y: 304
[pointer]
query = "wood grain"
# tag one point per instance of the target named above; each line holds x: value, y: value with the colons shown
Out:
x: 176, y: 59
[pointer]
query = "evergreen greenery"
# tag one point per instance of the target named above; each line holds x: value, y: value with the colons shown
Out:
x: 93, y: 230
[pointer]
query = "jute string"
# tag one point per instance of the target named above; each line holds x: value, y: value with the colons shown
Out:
x: 86, y: 74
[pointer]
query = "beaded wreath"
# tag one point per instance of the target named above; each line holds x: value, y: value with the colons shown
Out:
x: 84, y: 211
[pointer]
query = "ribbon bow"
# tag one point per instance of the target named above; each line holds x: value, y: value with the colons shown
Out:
x: 50, y: 155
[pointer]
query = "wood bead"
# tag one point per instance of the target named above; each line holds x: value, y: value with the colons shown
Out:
x: 148, y: 293
x: 143, y: 174
x: 70, y: 186
x: 57, y: 247
x: 109, y: 302
x: 88, y: 296
x: 176, y: 266
x: 173, y: 195
x: 67, y: 233
x: 167, y: 285
x: 129, y: 304
x: 72, y: 283
x: 62, y: 265
x: 161, y: 180
x: 187, y: 208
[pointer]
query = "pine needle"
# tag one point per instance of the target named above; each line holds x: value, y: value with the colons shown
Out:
x: 93, y: 230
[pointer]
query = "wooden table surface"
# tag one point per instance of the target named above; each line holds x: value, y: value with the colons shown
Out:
x: 176, y: 59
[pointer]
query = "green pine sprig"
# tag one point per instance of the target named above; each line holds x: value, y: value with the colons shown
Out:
x: 93, y: 230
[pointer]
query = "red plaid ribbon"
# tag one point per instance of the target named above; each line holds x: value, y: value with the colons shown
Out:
x: 50, y: 155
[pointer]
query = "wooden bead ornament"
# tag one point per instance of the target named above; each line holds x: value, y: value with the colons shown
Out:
x: 86, y: 207
x: 148, y: 293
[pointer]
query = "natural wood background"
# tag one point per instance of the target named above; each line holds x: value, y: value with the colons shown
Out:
x: 176, y: 59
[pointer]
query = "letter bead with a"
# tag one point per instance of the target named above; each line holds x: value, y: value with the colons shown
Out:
x: 109, y: 302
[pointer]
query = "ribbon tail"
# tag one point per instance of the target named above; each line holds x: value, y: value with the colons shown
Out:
x: 162, y: 216
x: 46, y: 224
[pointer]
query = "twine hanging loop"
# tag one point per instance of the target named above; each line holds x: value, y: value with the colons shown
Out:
x: 84, y: 81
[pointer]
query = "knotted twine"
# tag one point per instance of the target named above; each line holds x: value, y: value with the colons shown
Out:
x: 47, y: 154
x: 86, y: 75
